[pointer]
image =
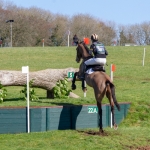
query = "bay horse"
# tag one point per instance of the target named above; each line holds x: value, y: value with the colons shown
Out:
x: 101, y: 84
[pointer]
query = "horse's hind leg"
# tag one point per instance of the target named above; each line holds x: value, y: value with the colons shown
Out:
x: 100, y: 117
x: 109, y: 96
x: 113, y: 119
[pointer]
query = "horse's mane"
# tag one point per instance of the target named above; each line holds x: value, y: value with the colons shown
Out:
x: 86, y: 48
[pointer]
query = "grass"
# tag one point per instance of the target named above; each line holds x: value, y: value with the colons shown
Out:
x: 122, y: 139
x: 131, y: 80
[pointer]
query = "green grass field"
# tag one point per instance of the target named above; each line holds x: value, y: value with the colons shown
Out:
x: 132, y: 82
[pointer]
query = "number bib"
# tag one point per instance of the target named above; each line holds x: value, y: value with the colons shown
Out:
x: 100, y: 49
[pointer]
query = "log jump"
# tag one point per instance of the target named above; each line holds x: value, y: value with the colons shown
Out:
x: 45, y: 79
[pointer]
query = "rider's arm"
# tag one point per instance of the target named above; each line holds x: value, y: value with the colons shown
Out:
x: 91, y: 52
x: 94, y: 49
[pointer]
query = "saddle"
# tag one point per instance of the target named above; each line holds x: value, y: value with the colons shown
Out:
x: 96, y: 68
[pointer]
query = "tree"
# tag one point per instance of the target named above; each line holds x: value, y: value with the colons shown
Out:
x: 34, y: 24
x: 123, y: 38
x: 58, y: 30
x: 86, y: 25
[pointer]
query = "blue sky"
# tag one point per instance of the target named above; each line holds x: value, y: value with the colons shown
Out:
x: 124, y: 12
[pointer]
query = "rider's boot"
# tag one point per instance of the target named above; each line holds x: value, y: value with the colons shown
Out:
x: 83, y: 76
x: 82, y: 70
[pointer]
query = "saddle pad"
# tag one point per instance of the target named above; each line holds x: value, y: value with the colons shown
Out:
x: 89, y: 71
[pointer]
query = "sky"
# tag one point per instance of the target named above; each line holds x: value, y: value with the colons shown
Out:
x: 122, y: 12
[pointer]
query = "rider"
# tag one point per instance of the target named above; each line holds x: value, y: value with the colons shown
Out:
x: 99, y: 52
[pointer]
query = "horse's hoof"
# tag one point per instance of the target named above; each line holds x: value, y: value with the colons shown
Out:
x: 115, y: 126
x: 101, y: 131
x: 73, y: 87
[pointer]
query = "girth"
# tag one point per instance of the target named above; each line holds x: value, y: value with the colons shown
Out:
x: 96, y: 67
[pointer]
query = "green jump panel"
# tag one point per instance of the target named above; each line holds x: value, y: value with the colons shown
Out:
x: 119, y: 115
x: 105, y: 116
x: 38, y: 119
x: 58, y: 118
x: 126, y: 108
x: 13, y: 120
x: 82, y: 117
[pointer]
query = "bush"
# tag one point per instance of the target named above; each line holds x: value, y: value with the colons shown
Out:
x: 32, y: 93
x: 61, y: 89
x: 3, y: 93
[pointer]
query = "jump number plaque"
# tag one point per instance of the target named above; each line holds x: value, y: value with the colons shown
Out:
x: 92, y: 109
x: 70, y: 74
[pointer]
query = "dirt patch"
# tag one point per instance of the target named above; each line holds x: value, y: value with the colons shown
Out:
x: 90, y: 132
x: 94, y: 133
x: 104, y: 133
x: 141, y: 148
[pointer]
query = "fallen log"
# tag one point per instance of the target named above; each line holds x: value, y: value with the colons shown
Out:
x: 45, y: 79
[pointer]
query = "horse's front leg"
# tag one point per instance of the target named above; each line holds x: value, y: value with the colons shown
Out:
x: 113, y: 118
x: 100, y: 117
x: 73, y: 86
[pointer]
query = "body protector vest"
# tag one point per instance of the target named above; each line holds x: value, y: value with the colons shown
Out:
x: 99, y: 50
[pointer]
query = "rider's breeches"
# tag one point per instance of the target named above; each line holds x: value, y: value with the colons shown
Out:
x: 96, y: 61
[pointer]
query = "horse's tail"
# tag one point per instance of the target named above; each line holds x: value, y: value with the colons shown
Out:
x: 112, y: 87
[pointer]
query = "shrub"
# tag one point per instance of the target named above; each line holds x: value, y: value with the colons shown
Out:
x: 32, y: 93
x: 3, y: 93
x: 61, y: 89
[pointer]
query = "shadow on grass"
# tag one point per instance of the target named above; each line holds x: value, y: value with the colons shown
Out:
x: 13, y: 99
x: 59, y: 103
x: 19, y: 99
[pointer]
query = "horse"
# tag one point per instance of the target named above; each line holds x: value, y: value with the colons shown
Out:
x: 100, y: 82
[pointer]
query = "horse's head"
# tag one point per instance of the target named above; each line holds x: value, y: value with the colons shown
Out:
x: 82, y: 52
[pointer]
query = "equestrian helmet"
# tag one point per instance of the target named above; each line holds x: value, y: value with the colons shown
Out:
x: 94, y: 37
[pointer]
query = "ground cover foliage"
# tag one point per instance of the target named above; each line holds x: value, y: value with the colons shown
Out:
x: 131, y: 80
